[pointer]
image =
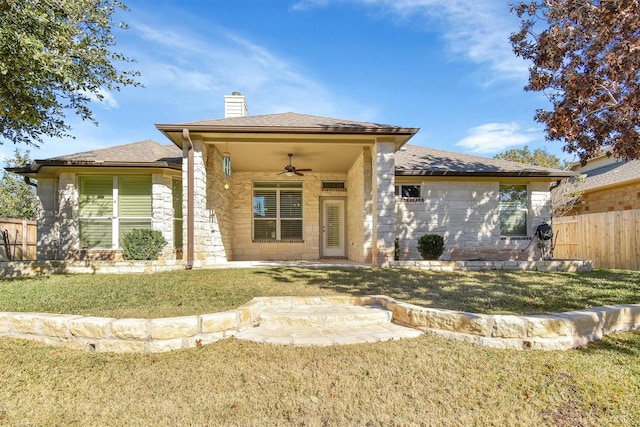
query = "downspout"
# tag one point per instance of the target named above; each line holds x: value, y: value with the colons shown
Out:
x: 190, y: 198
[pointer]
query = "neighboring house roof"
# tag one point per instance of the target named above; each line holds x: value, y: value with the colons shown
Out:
x: 286, y: 122
x: 141, y: 154
x: 609, y: 175
x: 414, y: 160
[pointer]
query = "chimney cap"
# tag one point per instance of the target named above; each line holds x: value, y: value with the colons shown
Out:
x: 236, y: 93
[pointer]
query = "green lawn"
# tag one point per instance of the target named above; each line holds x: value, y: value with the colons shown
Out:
x: 184, y: 292
x: 424, y: 381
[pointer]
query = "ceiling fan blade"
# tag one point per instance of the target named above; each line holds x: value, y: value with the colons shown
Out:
x: 304, y: 170
x: 297, y: 172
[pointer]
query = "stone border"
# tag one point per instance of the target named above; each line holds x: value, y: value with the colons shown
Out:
x: 551, y: 265
x: 35, y: 268
x: 560, y: 331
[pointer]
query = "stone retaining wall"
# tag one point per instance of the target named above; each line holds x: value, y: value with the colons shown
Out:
x: 560, y: 331
x: 123, y: 335
x: 35, y: 268
x: 552, y: 265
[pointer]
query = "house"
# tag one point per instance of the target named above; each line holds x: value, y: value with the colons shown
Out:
x: 609, y: 184
x: 287, y: 187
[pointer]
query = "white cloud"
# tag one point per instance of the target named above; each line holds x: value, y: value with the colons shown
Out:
x: 190, y: 66
x: 308, y: 4
x: 491, y: 138
x: 108, y: 100
x: 475, y: 30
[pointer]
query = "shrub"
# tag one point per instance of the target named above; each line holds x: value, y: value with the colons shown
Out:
x: 142, y: 244
x: 431, y: 246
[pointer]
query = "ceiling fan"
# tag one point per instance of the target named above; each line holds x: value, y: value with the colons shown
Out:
x: 291, y: 170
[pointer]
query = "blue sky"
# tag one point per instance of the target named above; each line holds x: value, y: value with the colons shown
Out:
x: 444, y: 66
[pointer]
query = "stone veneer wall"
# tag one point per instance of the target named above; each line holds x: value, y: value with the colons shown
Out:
x: 245, y: 249
x: 359, y: 209
x: 48, y: 231
x: 467, y: 215
x: 162, y: 210
x: 384, y: 203
x: 560, y: 331
x: 219, y: 205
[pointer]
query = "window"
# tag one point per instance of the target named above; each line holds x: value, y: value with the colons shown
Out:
x: 408, y: 191
x: 277, y: 211
x: 109, y: 207
x: 513, y: 210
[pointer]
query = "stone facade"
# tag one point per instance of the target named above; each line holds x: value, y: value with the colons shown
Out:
x: 467, y: 215
x: 384, y: 203
x: 246, y: 249
x: 359, y: 209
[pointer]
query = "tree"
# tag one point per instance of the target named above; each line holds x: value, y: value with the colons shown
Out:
x: 55, y: 56
x: 585, y: 56
x: 539, y: 157
x: 18, y: 198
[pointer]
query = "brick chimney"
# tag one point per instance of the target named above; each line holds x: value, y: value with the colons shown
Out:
x: 235, y: 105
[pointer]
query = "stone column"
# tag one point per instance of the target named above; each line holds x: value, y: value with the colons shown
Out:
x: 384, y: 202
x: 67, y: 221
x: 162, y: 210
x: 47, y: 229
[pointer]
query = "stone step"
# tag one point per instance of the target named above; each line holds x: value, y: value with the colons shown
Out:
x: 325, y: 336
x: 324, y: 316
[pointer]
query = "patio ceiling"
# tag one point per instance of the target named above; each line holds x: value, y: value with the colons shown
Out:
x: 273, y: 156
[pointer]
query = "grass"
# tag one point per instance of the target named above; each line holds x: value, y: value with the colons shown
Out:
x: 423, y: 381
x: 182, y: 293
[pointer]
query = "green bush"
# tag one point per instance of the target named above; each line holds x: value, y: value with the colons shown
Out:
x: 431, y: 246
x: 142, y: 244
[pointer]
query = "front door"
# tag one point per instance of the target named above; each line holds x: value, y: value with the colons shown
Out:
x: 333, y: 232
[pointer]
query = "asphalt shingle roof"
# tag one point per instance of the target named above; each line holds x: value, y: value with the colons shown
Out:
x: 290, y: 120
x: 147, y: 151
x: 615, y: 173
x: 423, y: 161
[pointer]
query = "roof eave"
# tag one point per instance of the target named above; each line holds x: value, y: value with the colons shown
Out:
x: 524, y: 174
x: 33, y: 169
x: 341, y: 130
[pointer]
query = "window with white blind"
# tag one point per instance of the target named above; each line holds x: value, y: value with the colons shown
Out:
x: 513, y: 210
x: 110, y: 207
x: 277, y: 211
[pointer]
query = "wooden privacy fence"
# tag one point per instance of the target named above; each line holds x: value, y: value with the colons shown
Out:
x: 17, y: 239
x: 609, y: 239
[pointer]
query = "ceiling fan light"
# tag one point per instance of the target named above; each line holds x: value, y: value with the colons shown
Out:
x: 289, y: 173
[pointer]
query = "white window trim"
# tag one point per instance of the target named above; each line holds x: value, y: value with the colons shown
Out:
x: 115, y: 218
x: 527, y: 211
x: 277, y: 218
